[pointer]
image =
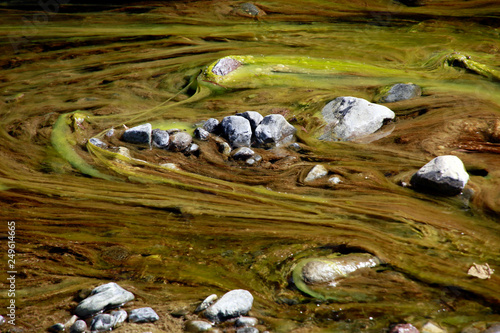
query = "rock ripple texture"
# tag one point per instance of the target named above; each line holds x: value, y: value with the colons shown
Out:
x: 444, y: 175
x: 348, y: 118
x: 105, y: 296
x: 274, y: 130
x: 237, y: 130
x: 233, y: 304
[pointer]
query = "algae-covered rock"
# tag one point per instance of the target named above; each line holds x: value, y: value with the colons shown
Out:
x: 317, y: 276
x: 398, y: 92
x: 348, y: 118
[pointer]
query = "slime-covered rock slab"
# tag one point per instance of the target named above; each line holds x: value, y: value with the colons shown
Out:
x: 444, y: 175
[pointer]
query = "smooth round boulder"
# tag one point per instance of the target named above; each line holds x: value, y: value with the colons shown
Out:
x: 348, y: 118
x: 106, y: 296
x: 233, y: 304
x: 237, y: 131
x: 443, y: 175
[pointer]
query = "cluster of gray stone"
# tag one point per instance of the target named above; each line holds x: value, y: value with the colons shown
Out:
x: 90, y: 314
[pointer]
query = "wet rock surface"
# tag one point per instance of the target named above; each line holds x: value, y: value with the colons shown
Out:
x: 102, y: 322
x: 233, y: 304
x: 318, y: 271
x: 237, y: 131
x: 443, y: 175
x: 404, y: 328
x: 105, y: 296
x: 140, y: 134
x: 225, y: 66
x: 398, y: 92
x: 161, y: 138
x: 180, y: 141
x: 143, y: 315
x: 274, y: 131
x: 348, y: 118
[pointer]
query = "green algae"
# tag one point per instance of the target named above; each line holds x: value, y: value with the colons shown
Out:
x: 214, y: 225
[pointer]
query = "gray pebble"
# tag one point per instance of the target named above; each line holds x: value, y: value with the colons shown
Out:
x: 247, y: 330
x: 201, y: 134
x: 105, y: 296
x: 232, y: 305
x: 98, y: 142
x: 180, y: 141
x: 143, y: 315
x: 119, y: 317
x: 242, y: 153
x: 206, y: 303
x: 161, y: 138
x: 211, y: 125
x: 138, y: 134
x: 237, y: 131
x: 102, y: 322
x: 198, y: 326
x: 253, y: 117
x: 78, y: 327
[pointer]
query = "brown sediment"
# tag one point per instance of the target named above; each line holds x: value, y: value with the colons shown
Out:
x: 173, y: 238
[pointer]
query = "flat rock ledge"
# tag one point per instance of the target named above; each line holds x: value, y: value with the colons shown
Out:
x: 444, y: 175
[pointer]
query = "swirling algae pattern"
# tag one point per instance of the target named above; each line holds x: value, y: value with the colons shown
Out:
x: 87, y: 215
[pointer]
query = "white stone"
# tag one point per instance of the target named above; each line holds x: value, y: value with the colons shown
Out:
x: 444, y: 175
x: 316, y: 172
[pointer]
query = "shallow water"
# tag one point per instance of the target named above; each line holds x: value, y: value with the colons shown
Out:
x: 173, y: 238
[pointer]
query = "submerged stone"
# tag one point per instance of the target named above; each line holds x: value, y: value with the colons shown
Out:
x: 443, y: 175
x: 237, y: 131
x: 233, y: 304
x: 206, y: 303
x: 273, y: 131
x: 225, y: 66
x: 138, y: 134
x: 347, y: 118
x: 242, y: 153
x: 201, y: 134
x: 398, y: 92
x: 105, y: 296
x: 326, y: 270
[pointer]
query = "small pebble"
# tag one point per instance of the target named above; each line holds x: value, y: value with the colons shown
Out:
x: 78, y: 327
x: 119, y: 317
x: 143, y: 315
x: 247, y: 330
x: 201, y: 134
x: 316, y: 172
x: 211, y: 125
x: 246, y: 321
x: 161, y: 138
x: 102, y: 322
x: 198, y: 326
x: 97, y: 142
x: 57, y: 328
x: 334, y: 180
x: 225, y: 148
x: 2, y: 320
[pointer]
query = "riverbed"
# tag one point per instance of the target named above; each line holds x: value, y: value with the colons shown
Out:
x: 174, y: 237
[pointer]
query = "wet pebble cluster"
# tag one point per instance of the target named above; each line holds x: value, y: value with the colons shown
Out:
x: 100, y: 311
